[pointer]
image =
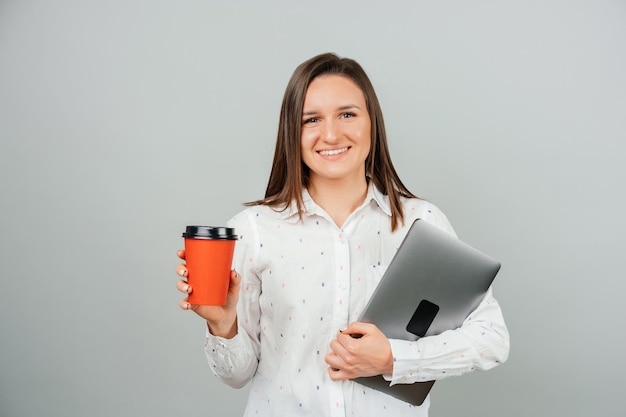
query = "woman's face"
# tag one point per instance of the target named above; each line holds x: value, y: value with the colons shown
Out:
x: 336, y: 130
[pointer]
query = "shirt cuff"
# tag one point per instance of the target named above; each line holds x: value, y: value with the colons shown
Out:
x: 406, y: 356
x: 231, y: 360
x: 221, y: 345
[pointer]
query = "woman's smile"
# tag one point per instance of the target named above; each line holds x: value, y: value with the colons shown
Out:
x: 333, y: 152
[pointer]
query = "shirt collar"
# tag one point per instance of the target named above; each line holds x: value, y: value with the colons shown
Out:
x: 373, y: 193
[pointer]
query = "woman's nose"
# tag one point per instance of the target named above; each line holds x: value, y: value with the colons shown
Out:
x: 331, y: 131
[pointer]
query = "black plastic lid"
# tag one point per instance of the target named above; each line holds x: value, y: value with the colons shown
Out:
x: 210, y: 232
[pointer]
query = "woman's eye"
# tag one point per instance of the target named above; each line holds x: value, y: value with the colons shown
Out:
x: 311, y: 120
x: 347, y: 115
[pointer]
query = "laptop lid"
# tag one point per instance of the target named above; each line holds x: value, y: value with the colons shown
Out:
x: 432, y: 284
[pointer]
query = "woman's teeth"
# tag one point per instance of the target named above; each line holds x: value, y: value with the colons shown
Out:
x: 333, y: 152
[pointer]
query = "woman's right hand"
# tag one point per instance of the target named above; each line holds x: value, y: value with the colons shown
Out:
x: 222, y: 320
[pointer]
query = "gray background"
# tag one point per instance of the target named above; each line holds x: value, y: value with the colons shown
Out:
x: 123, y: 121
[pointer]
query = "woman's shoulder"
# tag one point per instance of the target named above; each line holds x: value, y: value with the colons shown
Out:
x: 419, y: 208
x: 255, y: 214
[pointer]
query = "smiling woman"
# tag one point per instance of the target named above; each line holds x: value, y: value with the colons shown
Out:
x: 304, y: 98
x: 335, y: 142
x: 311, y: 254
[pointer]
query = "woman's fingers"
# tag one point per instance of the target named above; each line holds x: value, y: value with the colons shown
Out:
x: 235, y: 280
x: 181, y: 269
x: 183, y: 286
x: 184, y: 304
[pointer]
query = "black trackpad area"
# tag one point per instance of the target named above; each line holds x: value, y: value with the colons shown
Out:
x: 422, y: 318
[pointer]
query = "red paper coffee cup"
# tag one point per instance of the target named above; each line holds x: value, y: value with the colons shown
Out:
x: 209, y: 257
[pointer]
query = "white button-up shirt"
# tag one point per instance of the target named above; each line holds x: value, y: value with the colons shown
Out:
x: 303, y: 281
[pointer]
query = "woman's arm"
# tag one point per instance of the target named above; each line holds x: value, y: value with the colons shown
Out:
x: 233, y: 350
x: 481, y: 343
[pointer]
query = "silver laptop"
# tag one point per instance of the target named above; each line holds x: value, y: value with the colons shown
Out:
x: 431, y: 285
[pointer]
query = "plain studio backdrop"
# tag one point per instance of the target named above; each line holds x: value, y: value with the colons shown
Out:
x: 123, y: 121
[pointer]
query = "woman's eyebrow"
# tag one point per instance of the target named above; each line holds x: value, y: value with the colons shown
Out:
x: 349, y: 106
x: 340, y: 108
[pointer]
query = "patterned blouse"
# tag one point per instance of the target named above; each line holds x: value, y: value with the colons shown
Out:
x: 303, y: 281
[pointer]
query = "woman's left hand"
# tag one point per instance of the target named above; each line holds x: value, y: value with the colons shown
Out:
x: 358, y: 351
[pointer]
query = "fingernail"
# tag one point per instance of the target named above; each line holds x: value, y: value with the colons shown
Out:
x: 186, y: 289
x: 187, y: 306
x: 182, y: 272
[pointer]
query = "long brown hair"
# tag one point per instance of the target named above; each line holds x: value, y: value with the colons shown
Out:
x: 289, y: 174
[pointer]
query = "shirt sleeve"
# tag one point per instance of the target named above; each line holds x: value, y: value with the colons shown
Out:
x: 234, y: 361
x: 481, y: 343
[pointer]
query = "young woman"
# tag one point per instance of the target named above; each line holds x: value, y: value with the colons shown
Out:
x: 310, y: 255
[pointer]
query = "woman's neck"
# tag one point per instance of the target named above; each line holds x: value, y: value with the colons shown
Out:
x: 338, y: 198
